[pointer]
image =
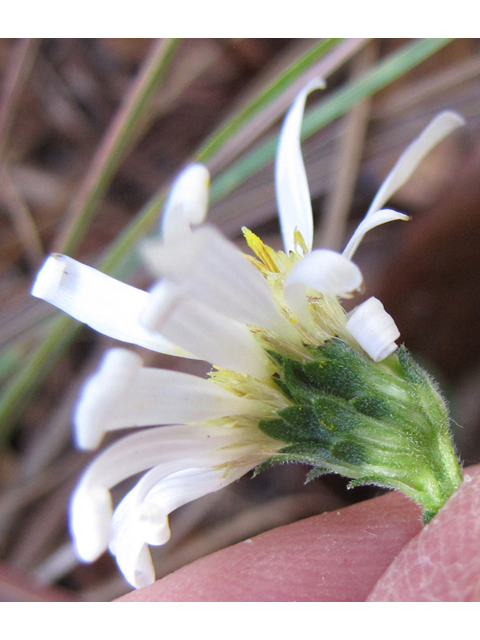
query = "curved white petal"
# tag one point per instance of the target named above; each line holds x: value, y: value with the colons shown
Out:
x: 150, y: 447
x: 105, y: 304
x: 437, y: 130
x: 210, y: 268
x: 137, y: 522
x: 123, y: 394
x: 101, y: 393
x: 166, y: 448
x: 142, y: 516
x: 187, y: 203
x: 374, y: 329
x: 325, y: 271
x: 135, y: 562
x: 293, y: 195
x: 91, y: 517
x: 131, y: 524
x: 375, y: 219
x: 211, y: 336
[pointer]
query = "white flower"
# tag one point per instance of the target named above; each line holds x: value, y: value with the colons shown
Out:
x: 213, y: 304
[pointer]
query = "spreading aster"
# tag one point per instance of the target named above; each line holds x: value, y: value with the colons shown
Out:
x: 294, y: 379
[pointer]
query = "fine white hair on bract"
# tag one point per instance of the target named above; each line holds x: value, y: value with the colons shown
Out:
x: 207, y: 304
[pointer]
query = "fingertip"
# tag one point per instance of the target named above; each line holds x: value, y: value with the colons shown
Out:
x: 442, y: 563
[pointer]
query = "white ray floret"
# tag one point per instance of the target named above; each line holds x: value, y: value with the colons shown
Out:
x: 437, y: 130
x: 374, y: 219
x: 291, y: 184
x: 90, y: 522
x: 125, y: 394
x: 142, y: 516
x: 187, y: 203
x: 374, y: 329
x: 326, y: 271
x: 211, y: 336
x: 210, y: 268
x: 165, y: 448
x: 105, y: 304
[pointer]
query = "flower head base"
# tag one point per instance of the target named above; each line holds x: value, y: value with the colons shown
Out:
x: 295, y: 378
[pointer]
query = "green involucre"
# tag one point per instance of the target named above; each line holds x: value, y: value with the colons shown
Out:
x: 377, y: 423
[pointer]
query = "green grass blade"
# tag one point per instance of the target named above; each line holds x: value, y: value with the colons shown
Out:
x: 114, y: 146
x: 11, y: 359
x: 60, y: 333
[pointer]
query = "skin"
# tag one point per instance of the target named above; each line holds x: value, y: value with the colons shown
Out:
x: 376, y: 550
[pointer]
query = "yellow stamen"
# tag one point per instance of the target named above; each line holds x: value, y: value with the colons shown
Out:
x: 261, y: 250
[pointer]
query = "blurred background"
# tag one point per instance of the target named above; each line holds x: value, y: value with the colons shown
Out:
x: 92, y: 131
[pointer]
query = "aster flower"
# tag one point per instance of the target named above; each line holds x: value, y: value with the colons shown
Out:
x: 294, y: 378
